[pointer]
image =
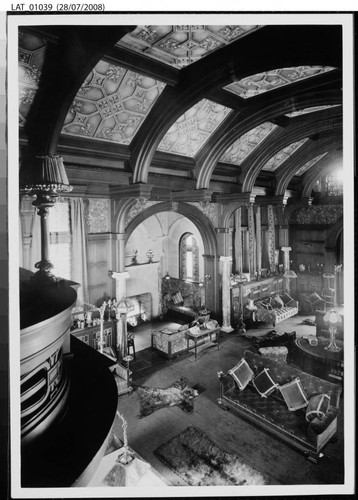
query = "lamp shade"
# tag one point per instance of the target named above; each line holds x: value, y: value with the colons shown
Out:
x: 290, y: 274
x: 124, y: 306
x: 332, y: 317
x: 44, y: 174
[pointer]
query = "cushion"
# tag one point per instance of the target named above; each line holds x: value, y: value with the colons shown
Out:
x: 317, y: 407
x: 266, y: 304
x: 294, y: 395
x: 242, y: 374
x: 286, y: 298
x: 177, y: 298
x: 314, y: 297
x: 264, y: 383
x: 188, y: 301
x: 183, y: 328
x: 278, y: 301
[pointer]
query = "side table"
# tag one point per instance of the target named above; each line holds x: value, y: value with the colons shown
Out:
x: 319, y: 361
x: 200, y: 335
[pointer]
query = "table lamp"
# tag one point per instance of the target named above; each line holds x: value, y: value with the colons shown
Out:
x: 333, y: 319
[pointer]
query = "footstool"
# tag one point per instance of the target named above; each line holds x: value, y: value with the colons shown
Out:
x: 277, y: 353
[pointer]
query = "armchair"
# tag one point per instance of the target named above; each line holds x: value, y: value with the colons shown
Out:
x: 310, y: 302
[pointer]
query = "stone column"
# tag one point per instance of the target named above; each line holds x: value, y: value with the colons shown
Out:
x: 286, y: 258
x: 120, y: 278
x: 238, y: 241
x: 226, y: 299
x: 258, y: 239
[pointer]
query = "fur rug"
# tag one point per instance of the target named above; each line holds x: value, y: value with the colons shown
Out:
x: 178, y: 394
x: 200, y: 462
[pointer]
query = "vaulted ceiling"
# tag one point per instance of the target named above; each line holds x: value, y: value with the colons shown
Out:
x: 183, y: 108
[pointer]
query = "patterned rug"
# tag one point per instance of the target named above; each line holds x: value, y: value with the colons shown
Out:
x: 200, y: 462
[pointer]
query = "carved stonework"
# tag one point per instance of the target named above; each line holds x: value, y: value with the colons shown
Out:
x: 322, y: 214
x: 140, y: 205
x: 210, y: 210
x: 97, y: 215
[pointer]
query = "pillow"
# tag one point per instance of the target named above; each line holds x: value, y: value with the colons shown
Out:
x: 264, y: 384
x: 278, y: 301
x: 314, y: 297
x: 286, y: 298
x: 177, y: 298
x: 294, y: 395
x: 317, y: 407
x: 242, y: 374
x: 188, y: 301
x: 266, y: 304
x: 182, y: 328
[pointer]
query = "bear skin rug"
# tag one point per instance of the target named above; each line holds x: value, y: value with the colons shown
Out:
x: 178, y: 394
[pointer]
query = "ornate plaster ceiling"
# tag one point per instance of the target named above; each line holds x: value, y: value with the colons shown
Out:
x: 193, y: 128
x: 240, y: 149
x: 309, y: 164
x: 269, y: 80
x: 282, y: 155
x: 111, y: 104
x: 181, y: 45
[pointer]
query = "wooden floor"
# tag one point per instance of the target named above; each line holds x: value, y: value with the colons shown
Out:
x: 284, y: 465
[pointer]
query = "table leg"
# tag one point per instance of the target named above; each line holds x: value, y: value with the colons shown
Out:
x: 196, y: 348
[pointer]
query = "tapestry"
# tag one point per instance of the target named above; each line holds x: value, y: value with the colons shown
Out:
x: 200, y: 462
x: 252, y: 239
x: 271, y: 237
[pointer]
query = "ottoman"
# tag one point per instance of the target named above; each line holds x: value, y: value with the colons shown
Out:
x: 277, y: 353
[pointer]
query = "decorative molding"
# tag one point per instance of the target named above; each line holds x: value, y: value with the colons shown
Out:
x: 131, y: 191
x: 240, y: 198
x: 200, y: 195
x: 141, y: 204
x: 210, y: 210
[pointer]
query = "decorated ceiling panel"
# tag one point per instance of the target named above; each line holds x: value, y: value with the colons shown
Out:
x: 31, y: 57
x: 193, y: 128
x: 181, y: 45
x: 309, y: 164
x: 269, y: 80
x: 111, y: 104
x: 240, y: 149
x: 282, y: 155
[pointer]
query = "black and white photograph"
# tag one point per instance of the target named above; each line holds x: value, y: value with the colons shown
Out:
x: 181, y: 253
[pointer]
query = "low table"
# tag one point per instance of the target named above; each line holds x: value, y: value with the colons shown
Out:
x: 200, y: 335
x: 319, y: 361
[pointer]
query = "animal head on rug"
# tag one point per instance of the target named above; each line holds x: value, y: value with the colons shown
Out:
x: 178, y: 394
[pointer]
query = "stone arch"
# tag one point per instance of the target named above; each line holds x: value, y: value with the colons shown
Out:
x: 204, y: 225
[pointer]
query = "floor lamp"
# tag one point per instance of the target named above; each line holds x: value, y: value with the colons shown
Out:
x: 44, y: 177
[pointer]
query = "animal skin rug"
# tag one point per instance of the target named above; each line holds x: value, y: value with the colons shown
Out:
x: 178, y: 394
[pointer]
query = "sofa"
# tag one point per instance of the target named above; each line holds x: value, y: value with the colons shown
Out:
x: 272, y: 414
x: 276, y: 308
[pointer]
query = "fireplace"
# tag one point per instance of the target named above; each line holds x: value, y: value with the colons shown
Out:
x: 142, y: 309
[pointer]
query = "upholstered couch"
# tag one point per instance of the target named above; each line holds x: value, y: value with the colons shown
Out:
x: 276, y: 308
x: 272, y: 414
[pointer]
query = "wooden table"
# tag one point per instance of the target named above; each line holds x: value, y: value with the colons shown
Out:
x: 200, y: 335
x: 319, y: 361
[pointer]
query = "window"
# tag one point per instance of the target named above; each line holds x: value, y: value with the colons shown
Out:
x: 60, y: 239
x: 188, y: 258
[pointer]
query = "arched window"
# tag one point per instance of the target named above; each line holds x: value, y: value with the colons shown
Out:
x: 188, y: 258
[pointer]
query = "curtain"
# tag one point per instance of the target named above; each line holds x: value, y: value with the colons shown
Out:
x: 271, y: 238
x: 238, y: 241
x: 79, y: 248
x: 252, y: 239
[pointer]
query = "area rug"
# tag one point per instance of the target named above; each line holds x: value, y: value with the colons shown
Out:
x: 200, y: 462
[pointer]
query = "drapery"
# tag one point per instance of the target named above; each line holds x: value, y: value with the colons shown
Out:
x: 252, y: 239
x: 271, y: 237
x: 79, y: 248
x: 238, y: 241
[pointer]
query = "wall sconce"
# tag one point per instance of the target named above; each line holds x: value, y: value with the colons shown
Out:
x: 201, y: 283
